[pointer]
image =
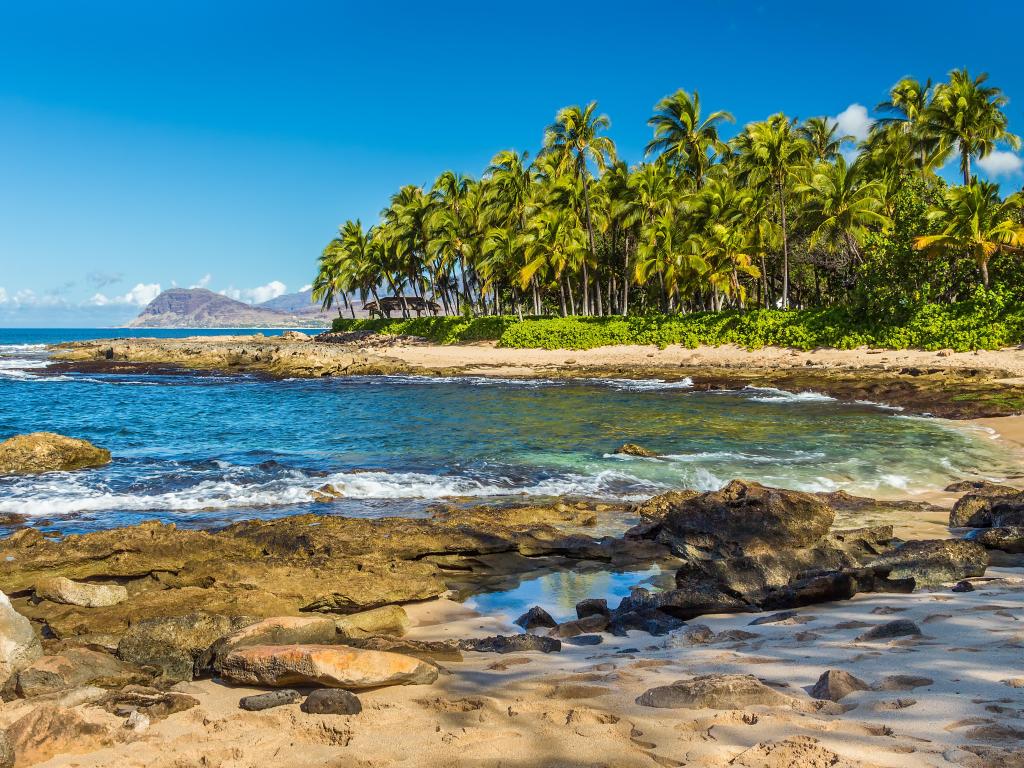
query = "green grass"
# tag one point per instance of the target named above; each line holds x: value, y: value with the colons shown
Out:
x: 978, y: 324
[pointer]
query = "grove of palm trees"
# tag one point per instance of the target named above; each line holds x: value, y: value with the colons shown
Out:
x: 789, y: 232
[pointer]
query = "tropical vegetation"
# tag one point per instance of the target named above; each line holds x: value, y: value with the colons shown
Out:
x: 788, y: 223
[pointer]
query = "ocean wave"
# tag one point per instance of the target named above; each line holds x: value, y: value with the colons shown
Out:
x: 773, y: 395
x: 628, y: 385
x: 63, y: 494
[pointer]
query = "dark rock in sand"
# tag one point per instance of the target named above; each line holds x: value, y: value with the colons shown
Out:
x: 177, y: 645
x: 1007, y: 539
x: 902, y: 683
x: 785, y: 617
x: 261, y: 701
x: 331, y: 701
x: 934, y: 562
x: 536, y: 617
x: 632, y: 449
x: 891, y: 630
x: 714, y: 692
x: 751, y: 515
x: 835, y: 684
x: 594, y: 623
x: 963, y: 586
x: 592, y: 606
x: 653, y: 622
x: 583, y: 640
x: 511, y: 644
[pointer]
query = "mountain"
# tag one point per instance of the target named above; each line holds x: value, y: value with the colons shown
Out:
x: 200, y: 308
x: 301, y: 304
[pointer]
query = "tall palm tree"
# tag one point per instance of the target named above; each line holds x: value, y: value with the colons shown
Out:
x: 967, y: 117
x: 977, y: 223
x: 823, y: 138
x: 682, y: 138
x: 771, y: 151
x: 575, y: 136
x: 842, y: 204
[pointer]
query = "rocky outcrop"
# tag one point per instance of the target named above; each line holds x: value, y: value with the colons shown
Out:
x: 974, y: 509
x: 62, y: 590
x: 48, y: 452
x: 74, y: 668
x: 715, y: 692
x: 632, y: 449
x: 19, y: 645
x: 1009, y: 539
x: 331, y: 666
x: 386, y: 620
x: 934, y: 562
x: 176, y: 645
x: 279, y: 630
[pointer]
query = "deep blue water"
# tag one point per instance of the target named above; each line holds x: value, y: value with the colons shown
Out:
x: 206, y: 450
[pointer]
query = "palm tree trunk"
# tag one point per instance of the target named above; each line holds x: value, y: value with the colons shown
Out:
x: 625, y: 279
x: 965, y: 163
x: 984, y: 274
x: 590, y: 239
x: 785, y: 251
x: 561, y: 292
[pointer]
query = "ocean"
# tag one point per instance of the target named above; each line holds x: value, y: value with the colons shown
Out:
x: 207, y: 450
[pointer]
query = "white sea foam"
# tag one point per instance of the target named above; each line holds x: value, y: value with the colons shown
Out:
x: 772, y: 395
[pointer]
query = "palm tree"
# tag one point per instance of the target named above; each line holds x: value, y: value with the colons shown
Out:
x: 977, y: 223
x: 842, y: 204
x: 682, y: 138
x: 821, y: 135
x: 967, y: 116
x: 771, y: 151
x: 575, y: 137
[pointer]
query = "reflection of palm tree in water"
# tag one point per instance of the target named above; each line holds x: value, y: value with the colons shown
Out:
x: 567, y: 588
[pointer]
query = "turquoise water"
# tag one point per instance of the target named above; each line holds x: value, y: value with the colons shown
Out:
x: 207, y: 450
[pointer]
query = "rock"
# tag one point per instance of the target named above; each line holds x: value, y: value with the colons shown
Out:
x: 934, y: 562
x: 902, y: 683
x: 332, y: 666
x: 656, y: 508
x: 19, y: 645
x: 944, y: 353
x: 794, y: 752
x: 750, y: 515
x: 511, y: 644
x: 387, y: 620
x: 47, y: 731
x: 137, y: 722
x: 48, y: 452
x: 428, y: 650
x: 592, y: 607
x: 835, y: 684
x: 890, y: 630
x: 325, y: 493
x: 652, y: 622
x: 594, y: 623
x: 154, y: 704
x: 694, y: 634
x: 331, y: 701
x: 785, y: 617
x: 632, y: 449
x: 1007, y: 539
x: 6, y: 751
x: 536, y: 617
x: 693, y: 597
x: 262, y: 701
x: 714, y: 692
x: 62, y: 590
x: 583, y: 640
x: 177, y: 645
x: 74, y: 668
x: 1008, y: 512
x: 279, y: 630
x: 963, y: 586
x: 295, y: 336
x: 974, y: 509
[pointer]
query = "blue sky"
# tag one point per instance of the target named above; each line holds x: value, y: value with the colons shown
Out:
x: 222, y: 143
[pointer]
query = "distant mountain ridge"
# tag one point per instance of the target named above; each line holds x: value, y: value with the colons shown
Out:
x: 201, y: 308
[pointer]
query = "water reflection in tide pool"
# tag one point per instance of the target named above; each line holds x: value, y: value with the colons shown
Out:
x: 558, y: 593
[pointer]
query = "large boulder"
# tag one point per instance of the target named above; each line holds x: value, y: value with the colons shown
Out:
x: 715, y: 692
x: 1008, y: 539
x: 49, y: 452
x: 331, y: 666
x: 61, y: 590
x: 974, y: 509
x: 76, y: 667
x: 278, y: 630
x: 1008, y: 511
x: 177, y: 645
x: 19, y: 645
x: 386, y: 620
x: 933, y: 562
x: 750, y: 516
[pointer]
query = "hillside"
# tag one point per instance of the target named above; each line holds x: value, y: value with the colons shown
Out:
x: 301, y: 304
x: 200, y: 308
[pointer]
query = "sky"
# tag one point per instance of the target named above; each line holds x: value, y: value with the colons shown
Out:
x: 221, y: 144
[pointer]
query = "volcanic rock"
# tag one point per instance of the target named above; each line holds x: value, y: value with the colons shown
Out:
x: 1008, y: 538
x: 891, y: 630
x: 48, y: 452
x: 331, y: 701
x: 334, y: 666
x: 511, y: 644
x: 261, y: 701
x: 933, y: 562
x: 592, y: 606
x: 536, y: 617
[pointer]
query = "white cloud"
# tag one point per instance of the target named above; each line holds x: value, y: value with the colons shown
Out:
x: 139, y: 296
x: 1001, y: 163
x: 3, y: 295
x: 305, y: 288
x: 203, y: 282
x: 259, y: 294
x: 854, y: 121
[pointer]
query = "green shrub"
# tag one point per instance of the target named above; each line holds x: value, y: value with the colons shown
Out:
x: 988, y: 321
